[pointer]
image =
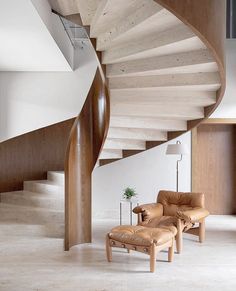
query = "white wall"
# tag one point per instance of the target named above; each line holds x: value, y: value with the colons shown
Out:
x: 31, y: 100
x: 56, y: 29
x: 147, y: 172
x: 227, y: 107
x: 26, y: 42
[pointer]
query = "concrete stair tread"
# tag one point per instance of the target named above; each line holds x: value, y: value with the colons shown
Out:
x: 26, y: 198
x: 46, y: 182
x: 21, y: 229
x: 5, y: 206
x: 28, y: 194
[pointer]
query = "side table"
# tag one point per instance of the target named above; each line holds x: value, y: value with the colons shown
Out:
x: 131, y: 203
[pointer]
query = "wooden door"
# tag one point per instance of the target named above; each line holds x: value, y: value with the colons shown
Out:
x: 213, y: 166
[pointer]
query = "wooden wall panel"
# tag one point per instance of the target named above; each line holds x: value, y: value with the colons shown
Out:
x: 31, y: 155
x: 213, y: 166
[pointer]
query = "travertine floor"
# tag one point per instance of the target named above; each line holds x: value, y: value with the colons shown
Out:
x: 34, y: 263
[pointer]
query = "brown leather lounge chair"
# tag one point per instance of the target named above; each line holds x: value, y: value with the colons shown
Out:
x: 183, y: 210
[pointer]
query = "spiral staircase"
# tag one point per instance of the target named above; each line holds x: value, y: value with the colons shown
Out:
x: 161, y: 74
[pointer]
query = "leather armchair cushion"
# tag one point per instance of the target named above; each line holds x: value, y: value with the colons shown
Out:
x: 193, y: 215
x: 178, y: 201
x: 149, y: 211
x: 142, y: 236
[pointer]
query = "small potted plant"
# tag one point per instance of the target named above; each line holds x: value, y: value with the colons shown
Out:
x: 129, y: 193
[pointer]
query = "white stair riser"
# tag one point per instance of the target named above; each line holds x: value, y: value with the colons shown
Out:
x: 20, y: 215
x: 33, y: 201
x: 43, y: 188
x: 55, y: 177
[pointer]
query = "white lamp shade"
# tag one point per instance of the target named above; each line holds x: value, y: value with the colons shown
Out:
x: 177, y: 149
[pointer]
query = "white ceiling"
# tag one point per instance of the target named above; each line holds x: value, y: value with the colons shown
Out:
x: 25, y: 42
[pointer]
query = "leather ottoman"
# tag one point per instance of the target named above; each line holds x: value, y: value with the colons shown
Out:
x: 142, y: 239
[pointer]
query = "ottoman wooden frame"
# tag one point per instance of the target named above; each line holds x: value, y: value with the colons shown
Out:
x: 150, y: 250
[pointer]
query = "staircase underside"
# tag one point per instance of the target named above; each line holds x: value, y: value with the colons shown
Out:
x: 160, y: 75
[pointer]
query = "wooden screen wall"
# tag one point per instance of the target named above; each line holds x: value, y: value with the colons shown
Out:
x: 213, y: 166
x: 31, y: 155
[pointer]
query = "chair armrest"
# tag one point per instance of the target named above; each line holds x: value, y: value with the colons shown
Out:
x: 149, y: 211
x: 193, y: 215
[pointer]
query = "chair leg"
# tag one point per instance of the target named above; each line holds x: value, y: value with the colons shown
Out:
x: 108, y: 249
x: 179, y: 237
x: 152, y: 258
x: 202, y: 230
x: 171, y: 252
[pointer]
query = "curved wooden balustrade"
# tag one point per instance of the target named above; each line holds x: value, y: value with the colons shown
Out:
x: 87, y: 137
x: 207, y: 18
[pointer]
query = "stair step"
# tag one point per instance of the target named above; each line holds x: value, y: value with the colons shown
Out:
x: 26, y: 198
x: 197, y: 81
x: 30, y: 215
x: 175, y: 40
x: 147, y: 123
x: 187, y: 62
x: 125, y: 144
x: 194, y: 98
x: 145, y: 10
x: 110, y: 12
x: 137, y: 133
x: 111, y: 154
x: 44, y: 186
x: 177, y: 111
x: 32, y: 230
x: 57, y: 177
x: 17, y: 229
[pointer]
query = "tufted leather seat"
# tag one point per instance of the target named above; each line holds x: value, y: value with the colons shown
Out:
x: 142, y: 239
x: 142, y: 236
x: 178, y: 209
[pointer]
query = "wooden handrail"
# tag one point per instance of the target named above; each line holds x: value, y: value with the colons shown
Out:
x: 86, y: 140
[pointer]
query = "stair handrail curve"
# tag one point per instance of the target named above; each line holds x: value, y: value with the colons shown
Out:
x: 85, y: 144
x: 207, y: 19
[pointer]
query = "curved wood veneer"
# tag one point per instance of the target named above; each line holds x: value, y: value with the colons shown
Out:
x: 207, y: 19
x: 86, y: 140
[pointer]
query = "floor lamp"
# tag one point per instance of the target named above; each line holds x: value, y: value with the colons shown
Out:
x: 177, y: 149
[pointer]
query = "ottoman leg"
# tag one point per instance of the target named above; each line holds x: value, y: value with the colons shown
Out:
x: 152, y: 258
x: 108, y: 249
x: 171, y: 252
